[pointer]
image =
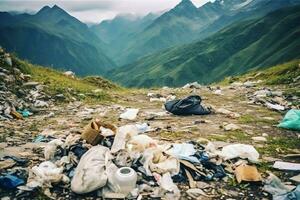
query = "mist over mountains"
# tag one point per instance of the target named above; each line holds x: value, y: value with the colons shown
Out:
x: 186, y: 43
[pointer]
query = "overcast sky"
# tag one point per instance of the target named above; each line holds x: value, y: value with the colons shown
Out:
x: 96, y: 10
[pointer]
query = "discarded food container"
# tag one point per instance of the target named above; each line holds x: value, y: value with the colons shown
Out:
x: 125, y: 178
x: 91, y: 133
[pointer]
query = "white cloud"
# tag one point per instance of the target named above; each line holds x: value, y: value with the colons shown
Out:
x: 95, y: 10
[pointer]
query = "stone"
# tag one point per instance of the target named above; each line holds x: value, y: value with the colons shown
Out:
x: 231, y: 127
x: 259, y: 139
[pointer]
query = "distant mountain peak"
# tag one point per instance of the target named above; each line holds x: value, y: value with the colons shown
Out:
x: 185, y: 4
x: 44, y: 9
x: 185, y: 8
x: 56, y: 7
x: 48, y: 9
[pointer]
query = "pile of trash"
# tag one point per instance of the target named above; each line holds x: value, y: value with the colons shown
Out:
x: 273, y: 100
x: 19, y: 97
x: 125, y: 162
x: 155, y: 97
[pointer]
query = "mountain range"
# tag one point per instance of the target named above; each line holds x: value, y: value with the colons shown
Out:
x: 186, y: 23
x: 54, y: 38
x: 236, y: 49
x: 186, y: 43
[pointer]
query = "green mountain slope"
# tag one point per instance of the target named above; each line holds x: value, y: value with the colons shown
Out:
x: 184, y: 24
x: 119, y: 31
x: 246, y: 45
x: 54, y: 38
x: 177, y: 26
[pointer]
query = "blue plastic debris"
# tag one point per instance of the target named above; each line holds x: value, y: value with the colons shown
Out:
x: 10, y: 181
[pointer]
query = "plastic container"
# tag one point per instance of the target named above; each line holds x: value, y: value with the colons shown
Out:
x: 125, y: 178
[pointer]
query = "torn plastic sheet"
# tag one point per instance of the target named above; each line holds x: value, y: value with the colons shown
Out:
x: 184, y: 151
x: 155, y: 161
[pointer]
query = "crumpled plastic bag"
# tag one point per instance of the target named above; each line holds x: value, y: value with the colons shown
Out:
x: 155, y: 161
x: 124, y: 133
x: 45, y: 174
x: 50, y: 149
x: 187, y: 106
x: 91, y: 173
x: 291, y: 120
x: 240, y: 150
x: 139, y: 143
x: 168, y: 190
x: 129, y: 114
x: 274, y: 186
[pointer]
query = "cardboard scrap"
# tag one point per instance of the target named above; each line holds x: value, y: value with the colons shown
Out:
x: 16, y: 115
x: 247, y: 173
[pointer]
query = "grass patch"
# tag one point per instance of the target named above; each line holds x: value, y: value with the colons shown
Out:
x: 229, y: 136
x: 264, y: 167
x: 58, y: 83
x: 280, y: 74
x: 250, y: 119
x: 173, y: 135
x: 281, y: 145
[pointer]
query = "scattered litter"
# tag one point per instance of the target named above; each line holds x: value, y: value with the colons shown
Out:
x: 140, y: 143
x: 196, y: 193
x: 129, y: 114
x: 296, y: 179
x: 45, y: 174
x: 41, y: 104
x: 10, y: 181
x: 218, y: 92
x: 274, y: 186
x: 16, y: 115
x: 51, y: 147
x: 25, y: 113
x: 275, y: 106
x: 125, y: 180
x: 95, y: 132
x: 291, y: 120
x: 286, y: 166
x: 9, y: 163
x: 123, y: 134
x: 167, y: 184
x: 188, y: 106
x: 247, y: 173
x: 161, y: 99
x: 240, y: 150
x: 195, y: 85
x: 184, y: 151
x: 90, y: 173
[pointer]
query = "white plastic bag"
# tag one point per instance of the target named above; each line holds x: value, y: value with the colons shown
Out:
x: 124, y: 133
x: 129, y: 114
x: 91, y: 173
x: 240, y: 150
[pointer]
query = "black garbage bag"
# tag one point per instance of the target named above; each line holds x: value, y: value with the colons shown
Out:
x: 188, y: 106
